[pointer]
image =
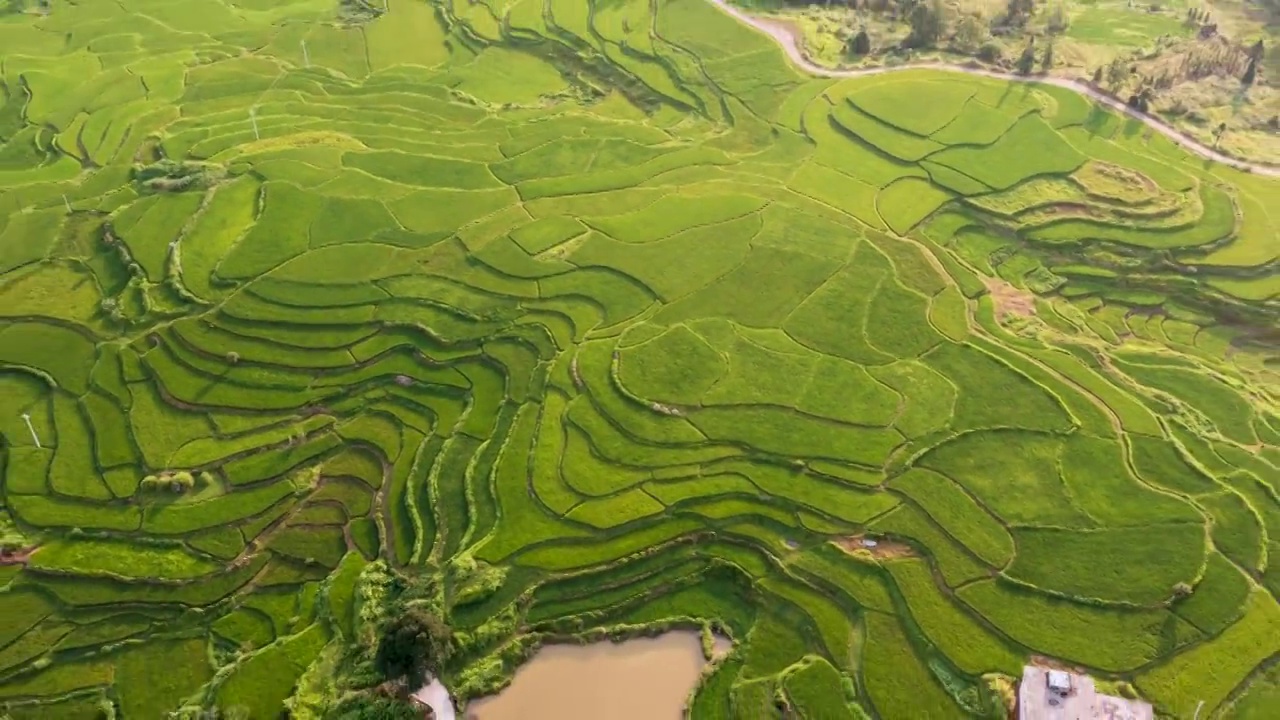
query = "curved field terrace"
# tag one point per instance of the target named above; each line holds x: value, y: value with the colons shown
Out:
x: 555, y: 320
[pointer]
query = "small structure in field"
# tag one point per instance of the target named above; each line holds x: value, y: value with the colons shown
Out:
x: 1051, y: 694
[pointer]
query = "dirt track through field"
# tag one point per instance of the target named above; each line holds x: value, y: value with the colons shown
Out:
x: 786, y: 36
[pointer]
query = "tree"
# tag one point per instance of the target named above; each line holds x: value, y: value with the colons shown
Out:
x: 1250, y: 72
x: 1059, y: 20
x: 1117, y: 73
x: 1027, y: 60
x: 859, y: 44
x: 928, y: 23
x: 1257, y: 51
x: 1141, y: 100
x: 1218, y: 132
x: 970, y: 33
x: 182, y: 481
x: 1017, y: 12
x: 1046, y: 63
x: 1097, y: 76
x: 415, y: 643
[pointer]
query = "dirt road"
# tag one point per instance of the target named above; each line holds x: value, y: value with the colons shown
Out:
x: 785, y: 36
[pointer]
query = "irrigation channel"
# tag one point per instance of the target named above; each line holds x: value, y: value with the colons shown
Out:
x: 788, y: 38
x: 638, y: 679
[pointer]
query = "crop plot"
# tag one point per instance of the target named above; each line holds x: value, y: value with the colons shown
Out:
x: 559, y: 316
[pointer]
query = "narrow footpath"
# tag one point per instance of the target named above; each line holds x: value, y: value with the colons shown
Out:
x: 787, y: 38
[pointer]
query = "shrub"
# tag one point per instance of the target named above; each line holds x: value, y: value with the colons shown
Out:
x: 414, y: 644
x: 991, y: 52
x: 859, y: 44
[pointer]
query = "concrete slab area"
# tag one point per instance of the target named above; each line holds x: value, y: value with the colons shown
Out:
x: 1051, y: 694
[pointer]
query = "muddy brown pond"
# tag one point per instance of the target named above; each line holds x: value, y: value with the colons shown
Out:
x: 640, y: 679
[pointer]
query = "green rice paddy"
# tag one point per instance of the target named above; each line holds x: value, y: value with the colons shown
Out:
x: 602, y: 316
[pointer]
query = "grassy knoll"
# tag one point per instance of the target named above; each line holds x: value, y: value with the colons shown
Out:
x: 547, y: 318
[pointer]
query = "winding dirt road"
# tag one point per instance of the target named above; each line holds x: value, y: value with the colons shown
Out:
x: 786, y: 37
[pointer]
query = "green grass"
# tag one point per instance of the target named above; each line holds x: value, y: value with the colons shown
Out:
x: 1133, y: 565
x: 819, y: 690
x: 1237, y: 530
x: 1030, y: 148
x: 776, y: 641
x: 956, y: 565
x: 959, y: 514
x: 1223, y: 406
x: 896, y: 143
x: 1259, y: 697
x: 619, y: 301
x: 898, y: 681
x: 245, y: 627
x: 261, y: 683
x: 1139, y: 636
x: 1022, y: 403
x: 1094, y: 472
x: 1161, y: 463
x: 61, y: 352
x: 671, y: 214
x: 1221, y: 663
x: 1014, y: 474
x: 790, y: 434
x: 1218, y: 599
x: 676, y: 367
x: 111, y: 629
x: 1133, y: 27
x: 149, y: 225
x: 834, y: 628
x: 886, y: 100
x: 956, y: 633
x: 159, y: 676
x: 120, y: 559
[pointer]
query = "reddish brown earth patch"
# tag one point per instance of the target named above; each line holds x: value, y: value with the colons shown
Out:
x: 882, y: 549
x: 18, y: 556
x: 1010, y: 300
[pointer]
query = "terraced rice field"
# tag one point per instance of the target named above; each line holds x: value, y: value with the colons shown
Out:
x: 601, y: 315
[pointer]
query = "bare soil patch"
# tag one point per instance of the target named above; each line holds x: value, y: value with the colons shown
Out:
x: 18, y: 556
x: 1010, y: 300
x: 878, y: 547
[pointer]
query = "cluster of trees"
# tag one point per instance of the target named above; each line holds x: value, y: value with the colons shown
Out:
x: 1026, y: 62
x: 1197, y: 16
x: 401, y: 641
x: 933, y: 21
x: 930, y: 21
x: 175, y: 482
x: 415, y: 645
x: 175, y: 176
x: 1221, y: 58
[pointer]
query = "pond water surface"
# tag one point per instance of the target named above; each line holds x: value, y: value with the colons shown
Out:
x: 640, y: 679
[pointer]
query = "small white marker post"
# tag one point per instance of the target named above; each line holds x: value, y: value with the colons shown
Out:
x: 253, y: 119
x: 34, y: 438
x: 306, y: 59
